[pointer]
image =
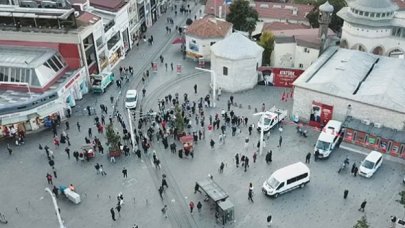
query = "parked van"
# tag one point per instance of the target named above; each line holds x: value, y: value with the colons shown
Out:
x: 131, y: 99
x: 329, y: 138
x: 286, y: 179
x: 370, y: 164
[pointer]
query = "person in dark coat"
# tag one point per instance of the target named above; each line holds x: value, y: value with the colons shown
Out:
x: 237, y: 160
x: 246, y: 163
x: 181, y: 153
x: 268, y: 157
x: 173, y: 147
x: 112, y: 213
x: 362, y: 206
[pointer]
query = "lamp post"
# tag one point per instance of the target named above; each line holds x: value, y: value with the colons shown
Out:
x: 214, y: 83
x: 262, y: 114
x: 131, y: 130
x: 55, y: 204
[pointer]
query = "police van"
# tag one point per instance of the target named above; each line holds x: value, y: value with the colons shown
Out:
x: 286, y: 179
x: 329, y: 138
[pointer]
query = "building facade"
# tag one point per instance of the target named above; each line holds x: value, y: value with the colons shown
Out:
x: 374, y: 26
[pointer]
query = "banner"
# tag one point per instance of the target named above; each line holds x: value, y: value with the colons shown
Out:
x: 320, y: 114
x: 284, y: 77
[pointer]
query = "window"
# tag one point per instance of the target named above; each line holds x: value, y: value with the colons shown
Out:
x: 302, y: 176
x: 366, y: 14
x: 372, y: 14
x: 306, y: 50
x: 301, y: 66
x: 361, y: 13
x: 292, y: 180
x: 53, y: 66
x: 402, y: 150
x: 56, y: 61
x: 212, y: 43
x: 378, y: 15
x: 280, y: 186
x: 225, y: 71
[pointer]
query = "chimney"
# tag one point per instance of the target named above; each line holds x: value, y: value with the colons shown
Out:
x: 295, y: 11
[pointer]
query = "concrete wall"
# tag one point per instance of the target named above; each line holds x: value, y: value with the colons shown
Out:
x: 305, y: 56
x: 283, y: 55
x: 303, y: 102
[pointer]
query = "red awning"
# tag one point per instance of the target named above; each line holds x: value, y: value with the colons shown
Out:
x: 179, y: 40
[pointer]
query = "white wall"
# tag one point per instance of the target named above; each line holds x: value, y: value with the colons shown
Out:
x: 371, y: 37
x: 283, y: 55
x: 204, y: 45
x: 303, y: 102
x: 305, y: 56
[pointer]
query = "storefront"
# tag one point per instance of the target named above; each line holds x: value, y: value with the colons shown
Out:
x: 374, y: 137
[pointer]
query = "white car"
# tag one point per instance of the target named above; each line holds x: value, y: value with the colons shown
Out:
x: 370, y: 164
x: 131, y: 99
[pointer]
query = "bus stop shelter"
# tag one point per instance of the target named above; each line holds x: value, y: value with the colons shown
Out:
x: 224, y: 207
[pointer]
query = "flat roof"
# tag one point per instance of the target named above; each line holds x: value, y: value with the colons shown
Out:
x: 24, y: 57
x: 16, y: 11
x: 358, y: 76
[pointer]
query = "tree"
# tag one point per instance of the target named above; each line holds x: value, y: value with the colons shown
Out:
x: 189, y: 21
x: 239, y: 11
x: 250, y: 26
x: 113, y: 138
x: 336, y: 22
x: 179, y: 122
x: 267, y: 42
x: 362, y: 223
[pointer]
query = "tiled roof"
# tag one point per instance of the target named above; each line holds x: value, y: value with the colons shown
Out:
x: 87, y: 18
x: 274, y: 26
x: 283, y: 10
x: 303, y: 37
x: 400, y: 3
x: 109, y: 5
x: 209, y: 27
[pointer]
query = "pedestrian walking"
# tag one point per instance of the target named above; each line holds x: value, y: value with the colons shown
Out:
x: 269, y: 220
x: 254, y: 157
x: 268, y: 156
x: 90, y: 132
x: 171, y: 66
x: 280, y: 140
x: 112, y: 213
x: 103, y: 173
x: 345, y: 193
x: 67, y: 150
x: 316, y: 155
x: 67, y: 125
x: 195, y: 88
x: 118, y: 207
x: 10, y: 151
x: 221, y: 167
x: 143, y: 92
x: 78, y: 126
x: 49, y: 178
x: 191, y: 205
x: 356, y: 169
x: 237, y: 160
x: 362, y: 206
x: 161, y: 189
x: 199, y: 206
x: 246, y: 163
x: 97, y: 166
x: 212, y: 144
x: 250, y: 193
x: 164, y: 211
x: 308, y: 158
x: 124, y: 172
x: 164, y: 182
x: 54, y: 172
x: 76, y: 155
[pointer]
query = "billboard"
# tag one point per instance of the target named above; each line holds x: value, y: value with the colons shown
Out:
x: 284, y: 77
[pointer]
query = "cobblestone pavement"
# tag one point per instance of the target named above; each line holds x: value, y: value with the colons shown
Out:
x: 319, y: 204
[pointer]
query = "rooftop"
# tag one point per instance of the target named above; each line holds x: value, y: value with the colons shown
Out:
x: 23, y: 57
x: 209, y: 27
x: 400, y: 4
x: 109, y: 5
x: 284, y: 11
x: 358, y: 76
x: 303, y: 37
x: 274, y: 26
x: 373, y: 5
x: 236, y: 46
x: 86, y: 18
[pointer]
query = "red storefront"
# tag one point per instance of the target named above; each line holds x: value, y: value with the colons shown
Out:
x: 375, y: 137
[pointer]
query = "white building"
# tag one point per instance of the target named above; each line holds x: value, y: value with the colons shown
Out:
x: 203, y: 33
x: 296, y: 48
x: 350, y: 82
x: 235, y: 61
x: 373, y: 26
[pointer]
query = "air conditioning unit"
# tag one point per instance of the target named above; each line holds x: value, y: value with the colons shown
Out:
x: 378, y: 125
x: 366, y: 122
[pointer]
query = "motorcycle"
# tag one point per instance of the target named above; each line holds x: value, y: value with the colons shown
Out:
x: 301, y: 131
x: 344, y: 164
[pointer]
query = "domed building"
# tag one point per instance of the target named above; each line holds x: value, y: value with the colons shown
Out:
x: 374, y: 26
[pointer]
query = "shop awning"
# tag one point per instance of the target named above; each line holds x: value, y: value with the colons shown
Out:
x: 50, y: 110
x: 179, y: 40
x: 13, y: 120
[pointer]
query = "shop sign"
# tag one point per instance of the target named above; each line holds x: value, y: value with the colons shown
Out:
x: 284, y: 77
x: 72, y: 80
x: 320, y: 114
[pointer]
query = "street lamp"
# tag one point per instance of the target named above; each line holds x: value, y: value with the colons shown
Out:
x: 214, y: 83
x: 262, y: 115
x: 131, y: 130
x: 55, y: 204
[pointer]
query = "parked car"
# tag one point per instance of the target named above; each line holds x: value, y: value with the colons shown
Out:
x: 370, y: 164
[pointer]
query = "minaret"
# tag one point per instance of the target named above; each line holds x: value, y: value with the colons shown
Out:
x: 325, y: 16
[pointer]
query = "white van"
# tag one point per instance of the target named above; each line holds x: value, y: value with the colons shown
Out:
x: 329, y: 138
x: 370, y: 164
x: 131, y: 99
x: 286, y: 179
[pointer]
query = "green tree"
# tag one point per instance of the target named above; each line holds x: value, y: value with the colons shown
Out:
x: 113, y: 138
x: 336, y: 22
x: 239, y: 11
x: 267, y: 42
x: 179, y: 119
x: 362, y: 223
x: 250, y: 25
